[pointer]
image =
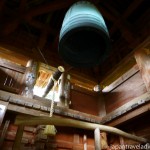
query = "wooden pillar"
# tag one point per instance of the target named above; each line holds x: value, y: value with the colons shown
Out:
x: 64, y: 91
x: 97, y: 138
x: 85, y: 142
x: 121, y: 139
x: 18, y: 139
x: 142, y: 57
x: 61, y: 90
x: 4, y: 131
x: 29, y: 79
x: 67, y: 91
x: 101, y: 101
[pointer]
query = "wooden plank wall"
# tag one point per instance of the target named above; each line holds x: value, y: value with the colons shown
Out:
x: 128, y: 90
x: 10, y: 76
x: 84, y: 102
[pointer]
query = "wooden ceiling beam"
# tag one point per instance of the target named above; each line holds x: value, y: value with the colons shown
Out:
x: 122, y: 24
x: 129, y: 10
x: 127, y: 63
x: 50, y: 7
x: 42, y: 26
x: 132, y: 7
x: 10, y: 26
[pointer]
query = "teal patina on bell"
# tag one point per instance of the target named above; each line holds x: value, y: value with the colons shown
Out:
x: 84, y: 38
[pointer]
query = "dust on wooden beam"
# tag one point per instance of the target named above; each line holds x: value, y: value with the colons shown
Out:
x: 25, y: 105
x: 126, y: 109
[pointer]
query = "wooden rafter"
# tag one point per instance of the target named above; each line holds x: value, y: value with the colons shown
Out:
x: 41, y: 26
x: 121, y: 23
x: 50, y: 7
x: 132, y: 7
x: 129, y: 10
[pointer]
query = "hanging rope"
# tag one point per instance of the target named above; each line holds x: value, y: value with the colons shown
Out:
x: 50, y: 129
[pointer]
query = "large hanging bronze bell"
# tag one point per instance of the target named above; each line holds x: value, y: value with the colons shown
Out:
x: 84, y: 39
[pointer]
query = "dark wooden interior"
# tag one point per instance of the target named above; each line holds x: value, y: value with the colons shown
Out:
x: 29, y: 36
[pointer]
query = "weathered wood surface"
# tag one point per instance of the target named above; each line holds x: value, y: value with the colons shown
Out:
x: 133, y: 114
x: 12, y: 66
x: 84, y: 103
x: 61, y: 90
x: 121, y: 79
x: 29, y: 79
x: 16, y: 56
x: 126, y: 64
x: 41, y: 107
x: 128, y: 107
x: 128, y: 90
x: 97, y: 138
x: 11, y: 75
x: 60, y: 121
x: 101, y: 105
x: 142, y: 57
x: 18, y: 138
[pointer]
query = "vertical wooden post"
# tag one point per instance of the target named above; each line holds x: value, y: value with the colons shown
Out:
x: 4, y: 131
x: 142, y: 57
x: 67, y: 92
x: 61, y: 90
x: 85, y: 142
x: 29, y: 79
x: 64, y: 91
x: 122, y: 142
x: 97, y: 138
x: 18, y: 139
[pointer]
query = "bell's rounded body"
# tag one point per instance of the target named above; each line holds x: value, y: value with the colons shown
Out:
x: 84, y: 39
